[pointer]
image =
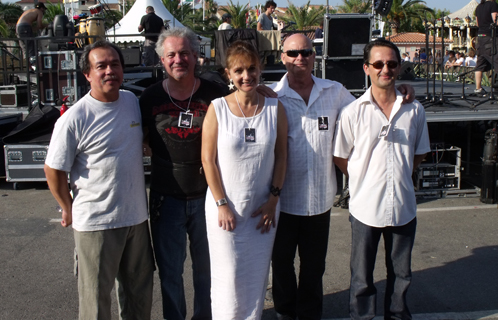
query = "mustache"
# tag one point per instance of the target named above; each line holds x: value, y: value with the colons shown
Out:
x: 111, y: 77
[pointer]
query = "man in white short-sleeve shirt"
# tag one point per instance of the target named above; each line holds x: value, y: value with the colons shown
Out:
x: 99, y: 142
x: 379, y: 142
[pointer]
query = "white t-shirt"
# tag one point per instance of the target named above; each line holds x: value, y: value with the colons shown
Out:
x: 380, y: 155
x: 225, y: 26
x: 460, y: 62
x: 100, y: 144
x: 470, y: 62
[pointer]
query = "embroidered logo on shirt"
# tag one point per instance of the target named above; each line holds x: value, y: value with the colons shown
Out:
x: 134, y: 124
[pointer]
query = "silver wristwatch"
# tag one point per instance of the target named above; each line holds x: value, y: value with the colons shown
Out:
x: 221, y: 202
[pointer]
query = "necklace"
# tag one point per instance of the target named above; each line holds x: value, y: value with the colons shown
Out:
x: 257, y: 106
x: 190, y: 99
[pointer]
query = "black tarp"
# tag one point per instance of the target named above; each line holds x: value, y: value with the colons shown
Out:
x: 224, y: 38
x: 36, y: 128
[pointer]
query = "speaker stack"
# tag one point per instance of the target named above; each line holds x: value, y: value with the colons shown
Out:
x: 345, y: 37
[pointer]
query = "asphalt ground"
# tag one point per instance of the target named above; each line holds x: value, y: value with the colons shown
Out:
x: 455, y: 261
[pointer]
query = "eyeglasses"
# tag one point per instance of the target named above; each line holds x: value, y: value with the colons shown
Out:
x: 295, y: 53
x: 380, y: 65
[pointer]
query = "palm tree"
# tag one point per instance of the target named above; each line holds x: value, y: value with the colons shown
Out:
x: 52, y: 11
x: 180, y: 12
x: 238, y: 13
x: 402, y: 11
x: 9, y: 14
x: 355, y: 6
x: 304, y: 16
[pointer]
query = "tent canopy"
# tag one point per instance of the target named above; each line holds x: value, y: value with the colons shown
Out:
x: 467, y: 10
x: 129, y: 23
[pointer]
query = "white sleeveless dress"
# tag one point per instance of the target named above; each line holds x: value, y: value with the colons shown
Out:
x: 240, y: 259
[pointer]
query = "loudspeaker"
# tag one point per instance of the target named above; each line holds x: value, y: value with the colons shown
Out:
x: 346, y: 34
x: 349, y: 72
x: 406, y: 72
x: 132, y: 57
x: 383, y: 7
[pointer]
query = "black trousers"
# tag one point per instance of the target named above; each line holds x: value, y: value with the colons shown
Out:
x: 309, y: 235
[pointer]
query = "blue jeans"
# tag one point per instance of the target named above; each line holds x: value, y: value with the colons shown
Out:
x: 398, y: 245
x: 171, y: 220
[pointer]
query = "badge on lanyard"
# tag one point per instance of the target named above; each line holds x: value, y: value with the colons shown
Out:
x: 323, y: 123
x: 185, y: 120
x: 250, y: 134
x: 384, y: 130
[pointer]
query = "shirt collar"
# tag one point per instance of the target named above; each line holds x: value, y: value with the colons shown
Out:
x: 367, y: 99
x: 283, y: 89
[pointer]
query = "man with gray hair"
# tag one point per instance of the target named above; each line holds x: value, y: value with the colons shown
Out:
x: 99, y: 141
x: 173, y: 112
x: 152, y: 24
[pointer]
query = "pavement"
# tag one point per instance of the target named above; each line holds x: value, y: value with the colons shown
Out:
x: 455, y: 261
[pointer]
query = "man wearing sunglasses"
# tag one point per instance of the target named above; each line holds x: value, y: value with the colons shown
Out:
x: 312, y: 106
x: 379, y: 142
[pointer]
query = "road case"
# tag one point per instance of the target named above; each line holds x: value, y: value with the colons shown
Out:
x: 59, y: 77
x: 24, y: 162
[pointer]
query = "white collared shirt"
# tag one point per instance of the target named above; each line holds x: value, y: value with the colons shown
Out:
x: 380, y: 165
x: 310, y: 183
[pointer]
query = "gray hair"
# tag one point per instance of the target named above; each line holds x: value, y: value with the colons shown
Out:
x: 178, y: 32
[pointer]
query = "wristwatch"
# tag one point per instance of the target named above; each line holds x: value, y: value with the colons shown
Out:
x: 221, y: 202
x: 275, y: 191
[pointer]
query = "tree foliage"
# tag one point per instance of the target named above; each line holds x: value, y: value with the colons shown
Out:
x: 355, y: 6
x: 238, y: 13
x: 9, y: 14
x: 303, y: 16
x: 52, y: 11
x: 403, y: 12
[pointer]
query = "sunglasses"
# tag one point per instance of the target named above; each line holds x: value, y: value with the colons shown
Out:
x: 295, y: 53
x: 380, y: 65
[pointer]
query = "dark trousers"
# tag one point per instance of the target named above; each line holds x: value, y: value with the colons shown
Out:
x: 398, y: 245
x: 309, y: 235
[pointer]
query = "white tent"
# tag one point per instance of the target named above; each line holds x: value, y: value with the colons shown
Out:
x: 129, y: 23
x: 468, y: 10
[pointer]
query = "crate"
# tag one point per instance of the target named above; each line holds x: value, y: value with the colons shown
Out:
x: 13, y: 96
x: 24, y: 162
x: 59, y: 77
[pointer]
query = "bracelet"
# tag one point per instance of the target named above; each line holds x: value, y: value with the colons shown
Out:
x: 275, y: 191
x: 221, y: 202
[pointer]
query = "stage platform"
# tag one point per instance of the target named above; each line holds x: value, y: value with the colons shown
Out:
x: 456, y: 106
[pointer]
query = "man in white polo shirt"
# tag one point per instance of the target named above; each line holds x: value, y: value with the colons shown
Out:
x: 379, y: 142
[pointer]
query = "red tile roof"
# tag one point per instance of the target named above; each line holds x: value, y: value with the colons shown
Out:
x: 414, y: 38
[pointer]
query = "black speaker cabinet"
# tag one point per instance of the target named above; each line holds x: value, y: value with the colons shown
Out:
x: 406, y: 72
x: 349, y: 72
x: 346, y: 34
x: 132, y: 57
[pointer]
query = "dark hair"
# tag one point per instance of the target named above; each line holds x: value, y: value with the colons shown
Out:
x: 85, y: 59
x: 244, y: 50
x: 226, y: 16
x: 149, y: 9
x: 40, y: 5
x: 270, y: 3
x: 379, y: 43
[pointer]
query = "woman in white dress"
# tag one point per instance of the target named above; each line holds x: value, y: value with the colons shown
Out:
x: 244, y: 154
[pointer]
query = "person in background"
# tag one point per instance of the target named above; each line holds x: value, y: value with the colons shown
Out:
x: 24, y: 28
x: 99, y: 142
x: 152, y: 24
x: 486, y: 14
x: 406, y: 57
x: 319, y: 31
x: 416, y: 58
x: 423, y: 55
x: 451, y: 60
x: 447, y: 56
x: 227, y: 20
x: 378, y: 131
x: 265, y: 20
x: 471, y: 59
x: 244, y: 156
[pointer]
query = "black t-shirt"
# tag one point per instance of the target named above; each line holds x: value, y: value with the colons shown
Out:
x: 152, y: 24
x: 484, y: 19
x: 176, y: 160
